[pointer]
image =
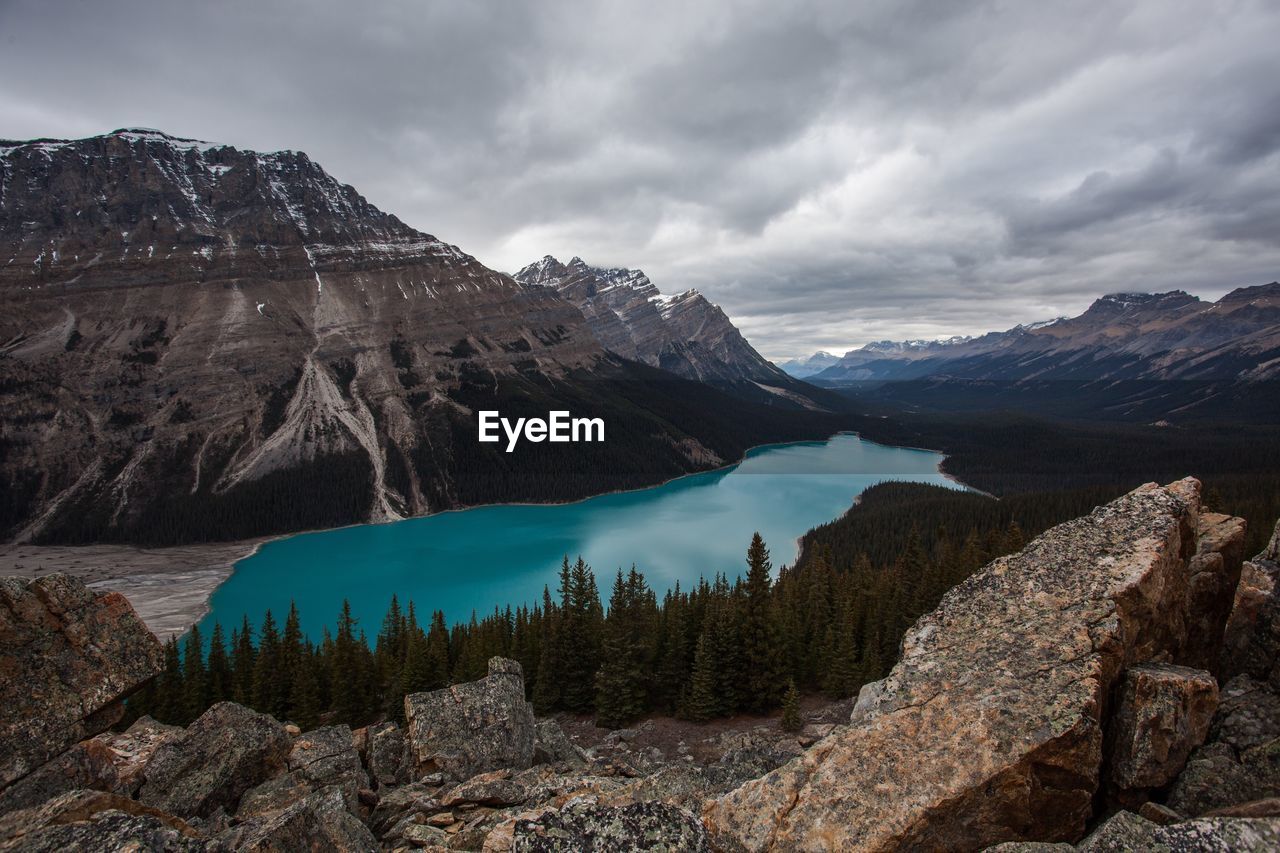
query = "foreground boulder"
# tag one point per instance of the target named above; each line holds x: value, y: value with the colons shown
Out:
x: 1164, y: 713
x: 585, y: 828
x: 1252, y: 642
x: 990, y: 728
x: 224, y: 753
x: 387, y: 755
x: 68, y: 656
x: 1125, y: 832
x: 320, y: 821
x: 474, y: 727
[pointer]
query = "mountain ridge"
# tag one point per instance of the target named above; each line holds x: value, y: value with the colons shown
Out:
x: 1160, y: 336
x: 684, y: 333
x: 204, y: 342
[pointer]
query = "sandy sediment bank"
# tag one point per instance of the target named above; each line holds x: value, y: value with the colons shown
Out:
x: 169, y: 587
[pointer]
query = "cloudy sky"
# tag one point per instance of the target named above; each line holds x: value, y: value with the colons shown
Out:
x: 830, y: 173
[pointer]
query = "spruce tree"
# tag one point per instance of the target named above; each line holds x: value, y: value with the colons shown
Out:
x: 791, y: 721
x: 621, y: 682
x: 305, y: 698
x: 437, y: 653
x: 171, y: 701
x: 546, y: 685
x: 348, y: 683
x: 266, y: 670
x: 243, y: 659
x: 703, y: 703
x: 221, y: 678
x: 762, y: 659
x: 291, y: 651
x: 195, y: 686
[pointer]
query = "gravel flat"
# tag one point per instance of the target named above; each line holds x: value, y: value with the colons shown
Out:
x: 169, y: 587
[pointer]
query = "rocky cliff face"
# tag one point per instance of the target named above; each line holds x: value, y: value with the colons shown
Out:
x: 1027, y: 692
x: 684, y: 333
x: 195, y: 336
x: 1046, y: 700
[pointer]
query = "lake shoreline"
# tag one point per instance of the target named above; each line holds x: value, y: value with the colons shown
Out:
x: 171, y: 588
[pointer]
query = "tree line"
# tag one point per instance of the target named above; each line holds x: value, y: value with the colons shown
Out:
x: 722, y: 647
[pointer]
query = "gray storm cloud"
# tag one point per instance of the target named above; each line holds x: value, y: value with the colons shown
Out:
x: 830, y: 173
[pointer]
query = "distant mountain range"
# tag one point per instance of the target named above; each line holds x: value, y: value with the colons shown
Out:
x: 201, y: 342
x: 804, y: 367
x: 1160, y: 358
x: 1123, y: 336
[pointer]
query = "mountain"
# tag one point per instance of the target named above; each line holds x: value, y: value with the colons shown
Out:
x: 804, y: 367
x: 1123, y: 336
x: 685, y: 333
x: 1130, y: 356
x: 202, y: 342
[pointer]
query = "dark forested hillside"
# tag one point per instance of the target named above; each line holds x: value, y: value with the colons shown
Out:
x: 1043, y: 461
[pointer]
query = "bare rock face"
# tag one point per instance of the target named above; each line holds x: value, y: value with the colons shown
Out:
x: 320, y: 821
x: 46, y: 826
x: 131, y: 749
x: 1164, y: 713
x: 1214, y: 574
x: 224, y: 753
x: 67, y: 657
x: 474, y: 727
x: 1241, y: 761
x: 587, y: 828
x: 1125, y: 832
x: 685, y: 333
x: 111, y: 829
x: 88, y: 765
x: 389, y: 760
x: 990, y: 727
x: 1252, y: 642
x: 322, y: 758
x: 552, y: 745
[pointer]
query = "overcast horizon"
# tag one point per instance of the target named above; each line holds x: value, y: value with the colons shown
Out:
x: 829, y: 175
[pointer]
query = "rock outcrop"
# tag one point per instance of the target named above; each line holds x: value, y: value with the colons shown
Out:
x: 1164, y: 712
x: 473, y: 728
x: 587, y: 828
x: 1042, y: 704
x: 224, y: 753
x: 991, y: 726
x: 67, y: 657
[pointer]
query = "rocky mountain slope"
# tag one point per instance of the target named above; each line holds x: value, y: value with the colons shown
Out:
x: 685, y: 333
x: 201, y: 342
x: 1114, y: 686
x: 1123, y: 336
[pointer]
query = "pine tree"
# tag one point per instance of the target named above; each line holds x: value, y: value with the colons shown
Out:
x: 266, y: 670
x: 791, y: 721
x: 170, y: 706
x: 546, y: 685
x: 622, y: 681
x: 243, y: 660
x: 195, y: 685
x: 349, y: 685
x: 291, y: 651
x: 702, y: 702
x: 761, y: 634
x: 221, y: 678
x: 437, y: 653
x: 305, y: 698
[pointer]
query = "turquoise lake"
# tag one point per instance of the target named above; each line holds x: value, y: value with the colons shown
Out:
x: 476, y: 559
